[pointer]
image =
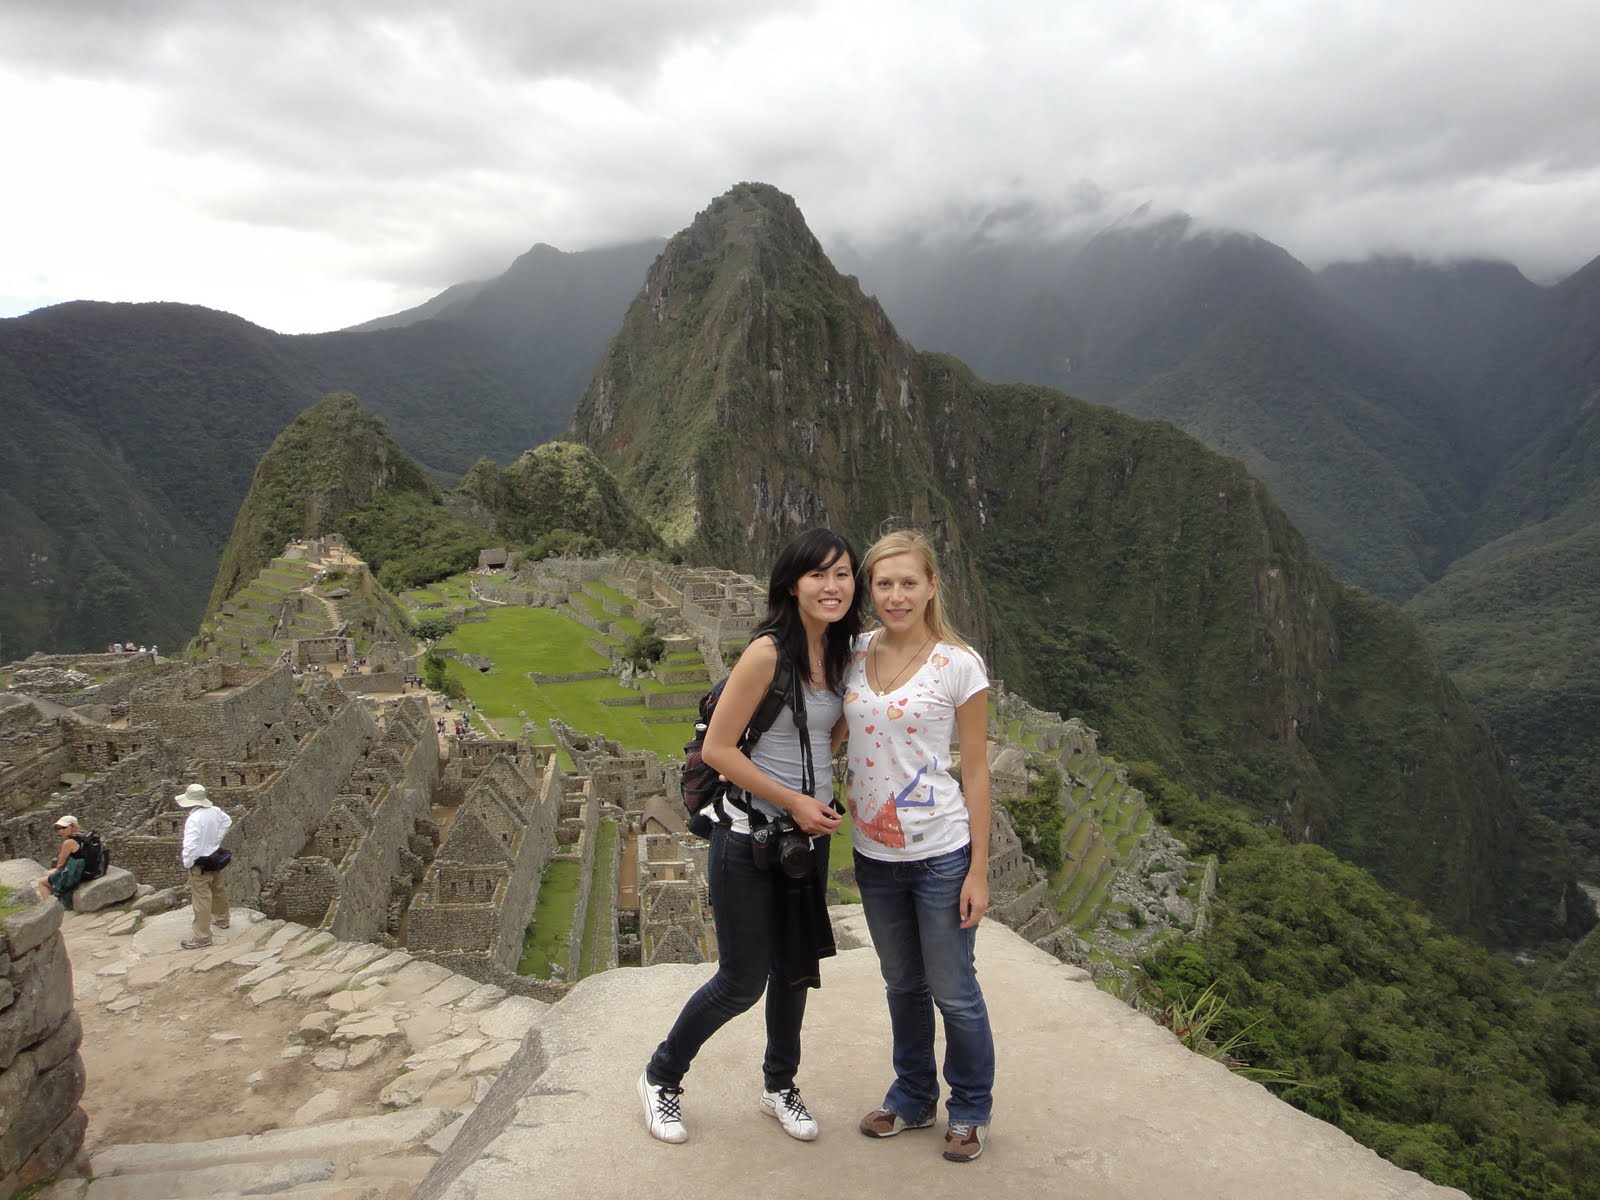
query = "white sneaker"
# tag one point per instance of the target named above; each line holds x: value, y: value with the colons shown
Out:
x: 663, y: 1111
x: 791, y: 1112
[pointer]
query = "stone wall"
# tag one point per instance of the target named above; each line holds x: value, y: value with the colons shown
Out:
x: 222, y: 712
x: 373, y: 683
x: 510, y: 593
x: 59, y: 764
x: 304, y: 891
x: 294, y: 805
x: 586, y: 864
x: 1010, y: 870
x: 111, y: 695
x: 376, y: 865
x: 41, y: 1072
x: 479, y: 895
x: 323, y: 650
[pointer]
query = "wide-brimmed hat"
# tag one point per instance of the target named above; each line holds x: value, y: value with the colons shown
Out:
x: 66, y: 822
x: 194, y: 796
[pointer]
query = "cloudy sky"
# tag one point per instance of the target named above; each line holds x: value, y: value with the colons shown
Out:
x: 308, y: 164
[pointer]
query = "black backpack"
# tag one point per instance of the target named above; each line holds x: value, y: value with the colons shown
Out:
x: 96, y: 856
x: 704, y: 791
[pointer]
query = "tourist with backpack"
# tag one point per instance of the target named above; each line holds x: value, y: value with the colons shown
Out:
x: 921, y: 839
x: 70, y: 863
x: 767, y: 867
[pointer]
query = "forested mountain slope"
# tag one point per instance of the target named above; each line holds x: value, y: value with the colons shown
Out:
x: 1110, y: 566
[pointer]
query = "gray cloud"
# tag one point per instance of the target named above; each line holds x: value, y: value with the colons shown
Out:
x: 417, y: 146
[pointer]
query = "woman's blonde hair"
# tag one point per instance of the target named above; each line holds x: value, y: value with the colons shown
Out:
x: 910, y: 541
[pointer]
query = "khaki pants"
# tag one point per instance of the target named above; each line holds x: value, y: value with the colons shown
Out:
x: 209, y: 898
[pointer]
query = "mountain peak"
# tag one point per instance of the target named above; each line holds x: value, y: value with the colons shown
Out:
x: 742, y: 318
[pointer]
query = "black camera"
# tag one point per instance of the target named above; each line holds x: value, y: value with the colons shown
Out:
x: 780, y: 842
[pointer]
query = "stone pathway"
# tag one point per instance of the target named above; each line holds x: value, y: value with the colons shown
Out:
x: 280, y: 1061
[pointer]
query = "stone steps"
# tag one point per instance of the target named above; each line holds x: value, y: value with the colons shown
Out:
x: 444, y: 1037
x: 378, y: 1156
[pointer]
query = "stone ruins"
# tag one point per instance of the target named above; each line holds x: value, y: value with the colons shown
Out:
x: 349, y: 815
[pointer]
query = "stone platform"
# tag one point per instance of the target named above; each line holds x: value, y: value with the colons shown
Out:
x: 1092, y: 1100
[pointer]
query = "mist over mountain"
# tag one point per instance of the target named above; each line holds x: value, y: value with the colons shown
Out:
x: 1231, y: 339
x: 1426, y: 424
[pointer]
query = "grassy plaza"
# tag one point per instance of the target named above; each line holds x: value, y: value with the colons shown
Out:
x: 523, y: 641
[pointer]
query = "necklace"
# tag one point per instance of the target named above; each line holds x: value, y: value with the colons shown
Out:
x: 904, y: 667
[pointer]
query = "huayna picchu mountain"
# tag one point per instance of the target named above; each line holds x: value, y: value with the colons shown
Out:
x: 335, y: 469
x: 1112, y: 568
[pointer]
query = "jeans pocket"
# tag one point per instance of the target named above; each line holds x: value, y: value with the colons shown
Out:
x: 950, y: 866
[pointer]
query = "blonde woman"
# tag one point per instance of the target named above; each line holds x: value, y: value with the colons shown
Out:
x: 915, y: 689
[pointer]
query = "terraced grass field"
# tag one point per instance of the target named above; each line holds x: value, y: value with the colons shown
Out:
x: 522, y: 640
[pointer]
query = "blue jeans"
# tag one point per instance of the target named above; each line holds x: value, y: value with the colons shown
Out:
x: 913, y: 912
x: 744, y: 906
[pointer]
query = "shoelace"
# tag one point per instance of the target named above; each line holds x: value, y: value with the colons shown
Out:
x: 667, y: 1107
x: 960, y: 1130
x: 792, y: 1101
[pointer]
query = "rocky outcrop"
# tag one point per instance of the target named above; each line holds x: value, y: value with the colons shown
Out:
x: 41, y: 1072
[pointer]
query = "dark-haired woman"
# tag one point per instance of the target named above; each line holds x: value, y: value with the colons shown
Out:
x: 812, y: 616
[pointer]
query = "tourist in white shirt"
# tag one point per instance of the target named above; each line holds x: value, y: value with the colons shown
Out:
x: 203, y: 832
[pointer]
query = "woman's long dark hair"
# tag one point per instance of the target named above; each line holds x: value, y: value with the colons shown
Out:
x: 817, y: 548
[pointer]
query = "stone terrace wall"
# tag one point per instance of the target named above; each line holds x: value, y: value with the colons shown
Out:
x: 41, y: 1072
x: 114, y: 692
x: 543, y: 799
x: 36, y: 753
x: 116, y: 799
x: 586, y: 865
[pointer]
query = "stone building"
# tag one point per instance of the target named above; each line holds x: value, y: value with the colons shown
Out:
x: 334, y: 800
x: 475, y: 900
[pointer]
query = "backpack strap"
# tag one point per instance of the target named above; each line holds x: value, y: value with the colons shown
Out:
x: 784, y: 689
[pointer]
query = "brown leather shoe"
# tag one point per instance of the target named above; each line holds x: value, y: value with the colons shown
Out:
x: 964, y: 1142
x: 881, y: 1123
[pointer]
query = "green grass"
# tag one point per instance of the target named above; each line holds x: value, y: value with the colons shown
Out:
x: 456, y: 590
x: 596, y: 938
x: 7, y: 906
x: 518, y: 640
x: 545, y: 942
x: 589, y: 604
x: 1089, y: 910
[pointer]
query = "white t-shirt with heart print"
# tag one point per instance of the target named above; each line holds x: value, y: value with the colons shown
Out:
x: 904, y: 803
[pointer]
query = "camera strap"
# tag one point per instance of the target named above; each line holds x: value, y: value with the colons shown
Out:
x: 797, y: 704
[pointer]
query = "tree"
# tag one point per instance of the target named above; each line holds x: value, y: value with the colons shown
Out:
x: 645, y: 648
x: 431, y: 629
x: 433, y: 672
